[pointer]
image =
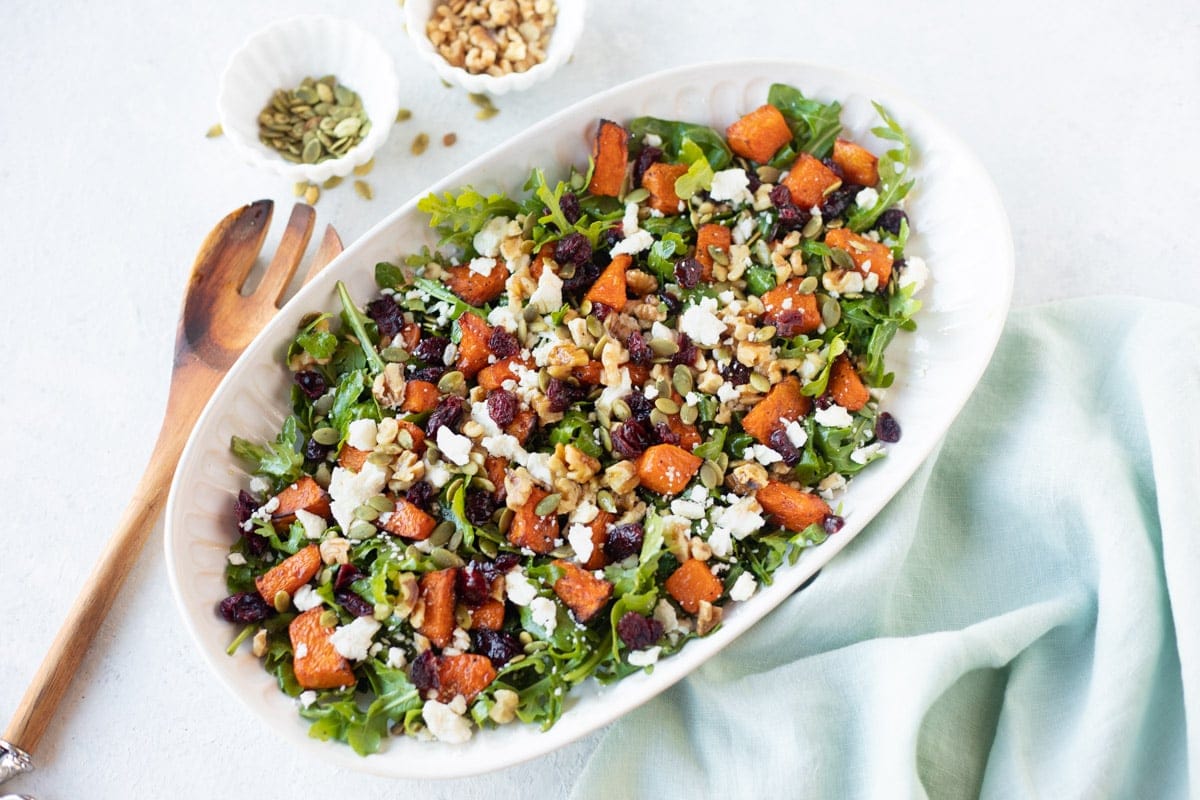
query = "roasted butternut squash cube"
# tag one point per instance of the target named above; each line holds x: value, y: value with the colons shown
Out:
x: 692, y: 583
x: 610, y: 153
x: 759, y: 134
x: 808, y: 181
x: 581, y: 591
x: 784, y: 403
x: 290, y: 574
x: 320, y: 666
x: 790, y: 507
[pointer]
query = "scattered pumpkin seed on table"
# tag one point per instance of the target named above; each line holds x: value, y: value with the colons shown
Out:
x: 319, y: 120
x: 214, y: 131
x: 420, y: 143
x: 365, y: 168
x: 364, y: 190
x: 403, y: 115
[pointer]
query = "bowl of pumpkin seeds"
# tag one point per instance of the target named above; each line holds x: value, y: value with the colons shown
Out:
x: 309, y: 98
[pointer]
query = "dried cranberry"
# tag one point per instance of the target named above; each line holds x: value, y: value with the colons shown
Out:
x: 832, y: 523
x: 257, y: 545
x: 688, y: 272
x: 569, y: 204
x: 574, y: 248
x: 613, y: 235
x: 244, y: 507
x: 562, y: 394
x: 388, y: 316
x: 890, y: 220
x: 353, y: 603
x: 792, y: 217
x: 781, y: 196
x: 585, y: 275
x: 664, y: 434
x: 781, y: 444
x: 428, y: 374
x: 311, y: 382
x: 505, y: 562
x: 315, y: 451
x: 480, y: 506
x: 648, y: 156
x: 639, y: 350
x: 244, y: 608
x: 639, y: 406
x: 420, y: 494
x: 887, y: 429
x: 630, y: 439
x: 499, y: 646
x: 736, y: 372
x: 833, y: 166
x: 622, y: 541
x: 837, y: 201
x: 752, y: 181
x: 502, y: 406
x: 431, y: 350
x: 448, y: 413
x: 346, y: 575
x: 473, y: 583
x: 638, y: 632
x: 503, y: 344
x: 824, y: 401
x: 423, y: 672
x: 601, y: 311
x: 687, y: 352
x: 789, y: 322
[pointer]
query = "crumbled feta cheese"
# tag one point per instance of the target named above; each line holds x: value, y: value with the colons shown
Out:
x: 482, y: 266
x: 629, y: 223
x: 580, y: 538
x: 796, y: 433
x: 644, y: 658
x: 871, y: 282
x: 660, y: 331
x: 349, y: 490
x: 314, y: 525
x: 743, y: 588
x: 633, y: 243
x: 585, y: 512
x: 727, y: 392
x: 237, y: 559
x: 743, y: 230
x: 652, y: 139
x: 305, y: 598
x: 301, y: 650
x: 726, y: 297
x: 538, y: 465
x: 612, y: 394
x: 503, y: 317
x: 831, y: 485
x: 437, y: 474
x: 479, y: 413
x: 664, y: 614
x: 730, y: 184
x: 720, y: 541
x: 833, y: 417
x: 503, y: 446
x: 307, y: 698
x: 353, y: 640
x: 396, y: 658
x: 361, y: 434
x: 444, y: 724
x: 866, y: 198
x: 268, y: 508
x: 741, y: 519
x: 544, y: 613
x: 701, y: 324
x: 650, y: 392
x: 518, y: 589
x: 765, y: 455
x: 688, y: 509
x: 548, y: 295
x: 259, y: 485
x: 450, y: 354
x: 867, y: 453
x: 454, y: 446
x: 487, y: 241
x: 914, y: 274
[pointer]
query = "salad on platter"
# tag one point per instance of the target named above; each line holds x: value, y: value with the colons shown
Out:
x: 565, y: 441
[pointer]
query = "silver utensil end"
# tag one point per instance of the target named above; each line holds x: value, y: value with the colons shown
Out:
x: 13, y: 761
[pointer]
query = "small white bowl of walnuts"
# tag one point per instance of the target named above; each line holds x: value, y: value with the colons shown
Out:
x: 494, y: 46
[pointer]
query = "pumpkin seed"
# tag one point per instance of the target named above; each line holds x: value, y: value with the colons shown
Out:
x: 764, y: 334
x: 361, y: 530
x: 364, y: 168
x: 718, y: 255
x: 403, y: 115
x: 366, y: 513
x: 311, y: 152
x: 663, y: 386
x: 812, y: 228
x: 363, y: 189
x: 332, y: 182
x: 452, y: 382
x: 689, y: 415
x: 381, y: 503
x: 419, y: 143
x: 595, y: 327
x: 760, y: 382
x: 606, y: 439
x: 604, y: 418
x: 397, y: 354
x: 683, y: 380
x: 382, y: 611
x: 347, y: 127
x: 326, y: 436
x: 329, y: 618
x: 831, y: 311
x: 282, y: 601
x: 312, y: 194
x: 808, y: 285
x: 379, y: 459
x: 768, y: 174
x: 657, y: 417
x: 480, y: 99
x: 637, y: 196
x: 506, y: 518
x: 300, y: 188
x: 842, y: 258
x: 445, y: 559
x: 442, y: 533
x: 404, y: 439
x: 604, y: 499
x: 470, y: 468
x: 666, y: 405
x: 324, y: 92
x: 548, y: 505
x: 488, y: 547
x: 486, y: 113
x: 663, y: 347
x: 484, y: 484
x: 214, y: 131
x: 709, y: 475
x: 621, y: 410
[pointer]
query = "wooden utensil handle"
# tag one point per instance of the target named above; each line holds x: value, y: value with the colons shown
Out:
x: 50, y: 683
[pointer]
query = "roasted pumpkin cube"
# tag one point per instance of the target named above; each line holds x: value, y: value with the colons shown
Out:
x: 667, y: 468
x: 522, y: 425
x: 759, y: 134
x: 290, y: 574
x: 846, y: 386
x: 692, y: 583
x: 420, y: 396
x: 659, y: 179
x: 868, y: 256
x: 609, y: 288
x: 856, y: 163
x: 599, y: 530
x: 581, y: 591
x: 488, y: 615
x: 317, y: 664
x: 610, y: 154
x: 711, y: 235
x: 475, y: 288
x: 416, y: 433
x: 529, y: 529
x: 305, y: 494
x: 352, y: 458
x: 808, y: 181
x: 790, y: 507
x: 409, y: 521
x: 467, y: 674
x: 493, y: 376
x: 473, y: 348
x: 789, y: 308
x: 438, y: 594
x: 784, y: 403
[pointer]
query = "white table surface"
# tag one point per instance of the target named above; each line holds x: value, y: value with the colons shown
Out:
x: 1084, y: 112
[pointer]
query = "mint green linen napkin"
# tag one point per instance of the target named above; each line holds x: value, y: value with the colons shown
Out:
x: 1023, y: 620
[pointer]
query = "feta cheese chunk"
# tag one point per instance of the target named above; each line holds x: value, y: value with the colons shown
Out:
x: 454, y: 446
x: 361, y: 434
x: 354, y: 640
x: 731, y: 185
x: 914, y: 274
x: 866, y: 198
x: 445, y: 724
x: 305, y: 598
x: 487, y: 241
x: 743, y: 588
x: 518, y: 589
x: 545, y: 613
x: 644, y: 658
x: 349, y: 490
x: 633, y: 244
x: 482, y: 266
x: 867, y: 453
x: 701, y: 324
x: 548, y: 295
x: 834, y: 417
x: 580, y: 538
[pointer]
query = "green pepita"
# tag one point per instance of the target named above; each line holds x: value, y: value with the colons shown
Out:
x: 326, y: 436
x: 663, y: 347
x: 666, y: 405
x: 709, y: 476
x: 397, y: 354
x: 842, y: 258
x: 764, y: 334
x: 831, y: 311
x: 445, y: 559
x: 808, y: 285
x: 452, y: 382
x: 366, y: 513
x: 548, y: 505
x: 657, y: 417
x: 682, y: 380
x: 812, y: 228
x: 760, y: 382
x: 604, y: 499
x: 442, y: 533
x: 621, y: 410
x: 689, y: 414
x: 282, y: 601
x: 363, y: 190
x: 420, y: 142
x: 382, y: 503
x: 361, y: 530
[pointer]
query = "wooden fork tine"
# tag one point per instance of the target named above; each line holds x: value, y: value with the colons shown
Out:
x: 329, y: 249
x: 287, y: 257
x: 230, y: 249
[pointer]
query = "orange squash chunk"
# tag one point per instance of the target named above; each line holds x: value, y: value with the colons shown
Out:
x: 790, y: 507
x: 321, y: 666
x: 493, y: 376
x: 691, y: 583
x: 868, y: 256
x: 544, y: 252
x: 467, y: 674
x: 581, y: 591
x: 609, y: 288
x: 420, y: 396
x: 610, y: 153
x: 659, y: 179
x: 417, y: 434
x: 599, y: 529
x: 808, y: 180
x: 846, y: 386
x: 759, y: 134
x: 667, y: 468
x: 352, y: 458
x: 776, y: 302
x: 489, y: 615
x: 437, y: 590
x: 783, y: 403
x: 522, y: 425
x: 857, y: 163
x: 711, y: 235
x: 290, y: 574
x: 589, y: 374
x: 530, y: 530
x: 476, y: 289
x: 473, y: 349
x: 409, y: 521
x: 410, y: 335
x: 305, y: 493
x: 497, y: 469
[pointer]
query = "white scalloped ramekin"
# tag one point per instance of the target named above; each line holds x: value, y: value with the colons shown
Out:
x: 567, y: 27
x: 285, y: 53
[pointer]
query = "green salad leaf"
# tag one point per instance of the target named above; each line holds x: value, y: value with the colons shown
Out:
x: 893, y: 172
x: 673, y: 134
x: 280, y: 460
x: 815, y: 125
x: 458, y: 217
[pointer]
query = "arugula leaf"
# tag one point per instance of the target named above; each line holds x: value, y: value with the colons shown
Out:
x: 674, y: 134
x: 817, y: 385
x: 389, y: 276
x: 659, y: 259
x: 280, y: 460
x: 893, y: 167
x: 760, y: 279
x: 576, y: 430
x: 700, y: 172
x: 459, y: 217
x: 815, y: 125
x: 318, y: 343
x: 358, y: 324
x: 714, y: 445
x: 346, y: 407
